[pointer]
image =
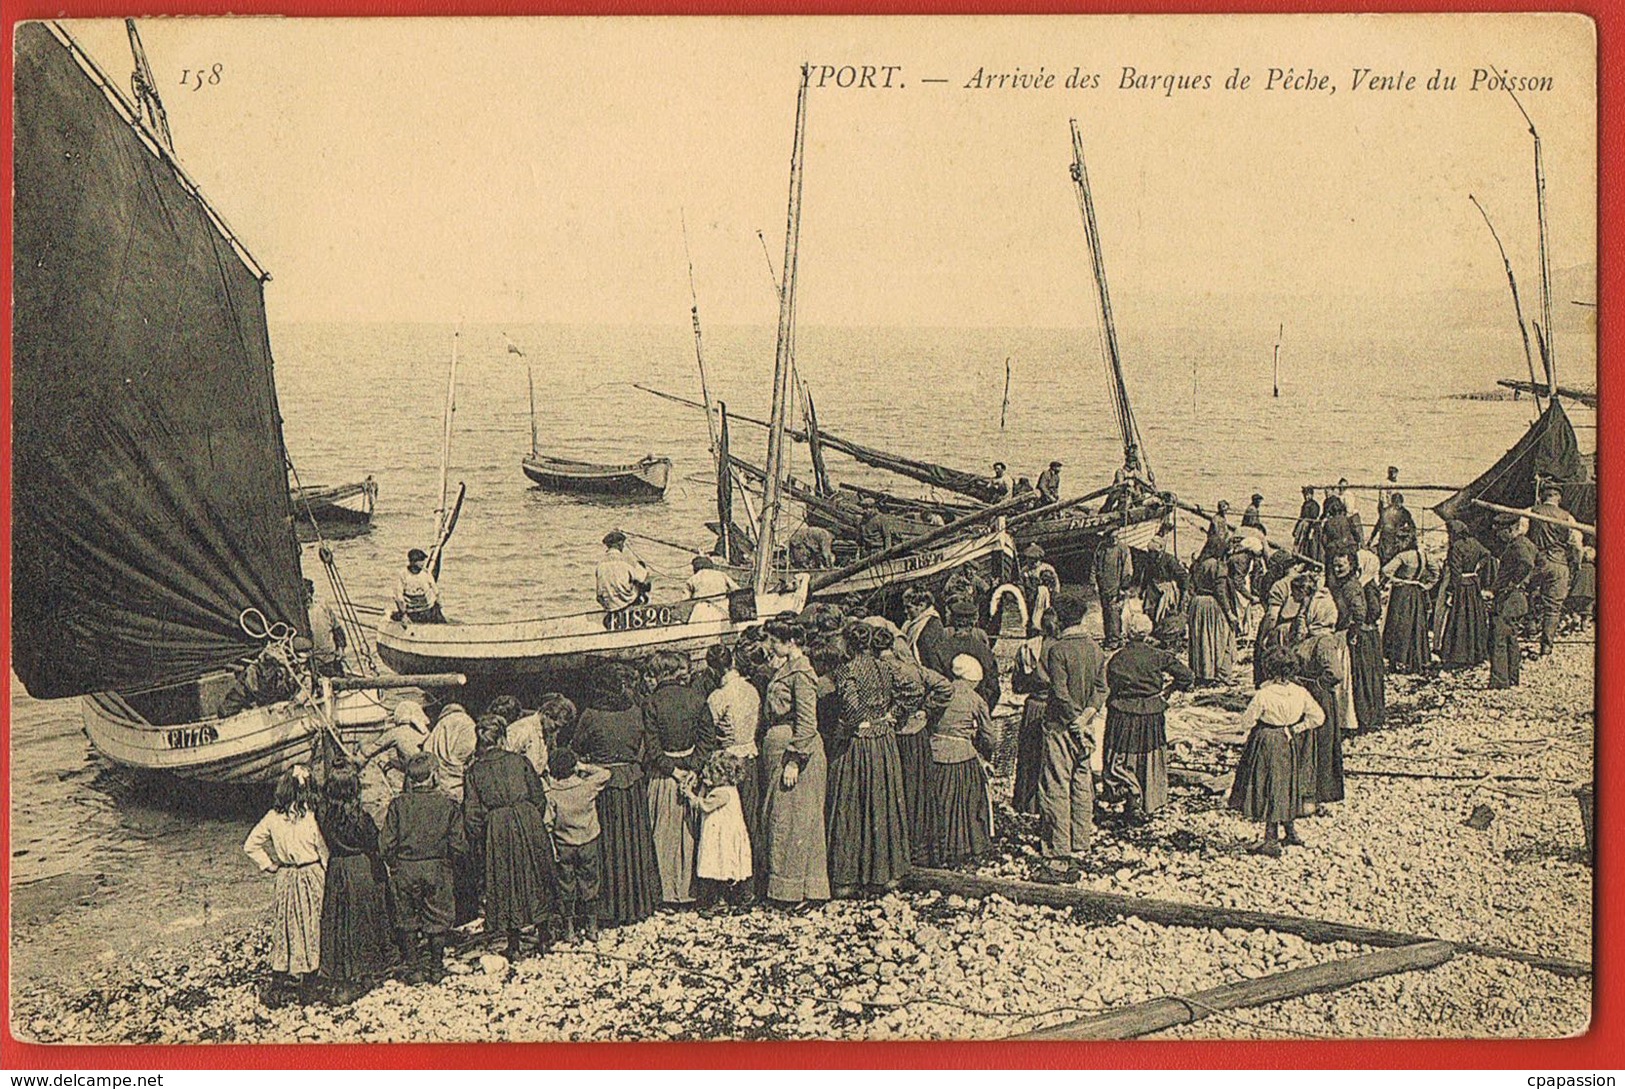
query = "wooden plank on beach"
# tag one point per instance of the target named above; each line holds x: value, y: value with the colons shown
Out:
x: 1106, y: 905
x: 1157, y: 1014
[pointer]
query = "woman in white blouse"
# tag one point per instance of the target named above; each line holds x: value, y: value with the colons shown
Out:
x: 287, y: 844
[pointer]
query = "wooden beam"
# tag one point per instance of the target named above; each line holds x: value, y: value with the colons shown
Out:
x: 421, y: 680
x: 1158, y: 1014
x: 1107, y: 905
x: 1566, y: 523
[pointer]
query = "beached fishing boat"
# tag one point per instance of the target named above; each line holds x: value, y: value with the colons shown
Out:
x: 153, y: 547
x: 556, y: 650
x: 335, y: 510
x: 642, y: 479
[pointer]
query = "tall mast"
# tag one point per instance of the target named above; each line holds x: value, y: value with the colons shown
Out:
x: 1543, y: 332
x: 1125, y: 412
x: 146, y: 89
x: 1278, y: 335
x: 445, y: 438
x: 1517, y: 305
x: 771, y: 497
x: 699, y: 346
x: 530, y: 378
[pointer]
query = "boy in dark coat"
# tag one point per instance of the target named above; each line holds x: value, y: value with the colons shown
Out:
x: 423, y: 830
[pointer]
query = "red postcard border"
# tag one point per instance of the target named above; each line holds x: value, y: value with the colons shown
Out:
x: 1602, y: 1048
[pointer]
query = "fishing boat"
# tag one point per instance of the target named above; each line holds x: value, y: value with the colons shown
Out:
x: 556, y: 650
x: 333, y: 510
x: 153, y: 547
x: 642, y: 479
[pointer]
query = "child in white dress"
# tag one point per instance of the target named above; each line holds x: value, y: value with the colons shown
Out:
x: 723, y: 857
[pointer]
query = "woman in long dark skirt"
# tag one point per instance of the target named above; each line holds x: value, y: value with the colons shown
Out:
x: 795, y: 772
x: 677, y: 715
x: 1357, y: 610
x: 1267, y: 775
x: 503, y: 805
x: 1135, y: 747
x: 961, y: 738
x: 1339, y: 530
x: 918, y: 694
x: 1407, y: 634
x: 1029, y: 678
x: 612, y: 734
x: 1465, y: 637
x: 1213, y: 623
x: 357, y: 931
x: 865, y: 808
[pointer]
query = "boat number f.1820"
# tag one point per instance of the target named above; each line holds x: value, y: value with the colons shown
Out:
x: 639, y: 617
x: 191, y: 737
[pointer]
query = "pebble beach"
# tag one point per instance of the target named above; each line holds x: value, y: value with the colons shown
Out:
x: 1398, y: 854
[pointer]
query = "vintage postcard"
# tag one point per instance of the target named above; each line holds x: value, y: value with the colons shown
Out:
x: 615, y: 529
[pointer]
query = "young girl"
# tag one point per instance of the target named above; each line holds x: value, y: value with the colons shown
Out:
x: 1267, y: 777
x: 287, y: 843
x: 723, y: 860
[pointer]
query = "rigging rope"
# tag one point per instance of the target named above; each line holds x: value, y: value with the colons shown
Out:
x: 354, y: 633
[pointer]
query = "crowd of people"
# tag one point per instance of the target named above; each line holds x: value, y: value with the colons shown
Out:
x: 827, y: 753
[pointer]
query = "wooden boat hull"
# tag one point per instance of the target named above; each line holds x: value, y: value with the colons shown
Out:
x: 341, y: 510
x: 522, y: 652
x: 644, y: 479
x: 255, y: 746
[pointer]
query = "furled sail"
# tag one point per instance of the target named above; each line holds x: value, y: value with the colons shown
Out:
x: 1548, y: 450
x: 150, y: 498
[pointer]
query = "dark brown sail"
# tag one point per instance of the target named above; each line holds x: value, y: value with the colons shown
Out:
x: 150, y: 499
x: 1547, y: 450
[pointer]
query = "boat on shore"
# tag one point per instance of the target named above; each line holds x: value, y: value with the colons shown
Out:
x: 642, y: 479
x: 156, y: 572
x: 338, y: 510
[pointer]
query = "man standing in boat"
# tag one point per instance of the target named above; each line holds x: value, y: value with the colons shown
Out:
x: 1002, y: 482
x: 812, y: 548
x: 622, y: 578
x: 1049, y: 483
x: 417, y: 595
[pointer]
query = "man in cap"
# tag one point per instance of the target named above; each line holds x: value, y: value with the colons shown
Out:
x: 812, y: 548
x: 1076, y: 668
x: 1049, y: 483
x: 422, y: 834
x: 1395, y: 525
x: 879, y: 529
x: 1511, y: 600
x: 1253, y: 516
x: 622, y: 579
x: 327, y: 635
x: 1305, y: 533
x: 1217, y: 545
x: 1002, y: 482
x: 1114, y: 569
x: 707, y: 581
x: 966, y: 638
x: 1553, y: 544
x: 417, y: 595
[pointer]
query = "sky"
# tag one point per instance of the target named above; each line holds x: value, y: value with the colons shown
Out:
x: 540, y: 170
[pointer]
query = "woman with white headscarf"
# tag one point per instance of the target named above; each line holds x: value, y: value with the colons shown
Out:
x: 383, y: 759
x: 961, y: 737
x: 1138, y: 679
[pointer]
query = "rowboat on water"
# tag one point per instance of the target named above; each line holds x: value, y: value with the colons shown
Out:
x: 643, y: 479
x: 338, y: 510
x: 154, y: 563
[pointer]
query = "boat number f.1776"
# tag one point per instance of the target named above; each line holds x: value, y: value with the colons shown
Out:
x: 191, y: 737
x: 639, y: 617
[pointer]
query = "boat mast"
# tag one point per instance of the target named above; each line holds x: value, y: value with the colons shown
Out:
x: 771, y: 496
x: 145, y: 88
x: 1125, y: 412
x: 444, y: 510
x: 699, y: 346
x: 1543, y: 332
x: 1517, y: 305
x: 1278, y: 335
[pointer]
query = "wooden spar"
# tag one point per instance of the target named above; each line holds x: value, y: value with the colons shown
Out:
x: 1278, y: 335
x: 405, y: 680
x: 1548, y: 350
x: 1106, y: 905
x: 772, y: 273
x: 786, y: 339
x: 1144, y: 1018
x: 1390, y: 487
x: 1059, y: 505
x: 1589, y: 399
x: 1566, y: 523
x: 1517, y: 305
x: 1125, y: 412
x: 699, y: 348
x: 445, y: 437
x: 830, y: 578
x: 146, y: 89
x: 530, y: 377
x: 1004, y: 405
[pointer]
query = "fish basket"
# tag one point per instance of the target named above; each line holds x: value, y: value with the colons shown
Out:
x: 1586, y: 796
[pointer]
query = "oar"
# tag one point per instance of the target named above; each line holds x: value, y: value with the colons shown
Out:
x: 1566, y: 523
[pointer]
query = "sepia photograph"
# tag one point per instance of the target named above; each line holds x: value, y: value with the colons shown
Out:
x: 605, y: 529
